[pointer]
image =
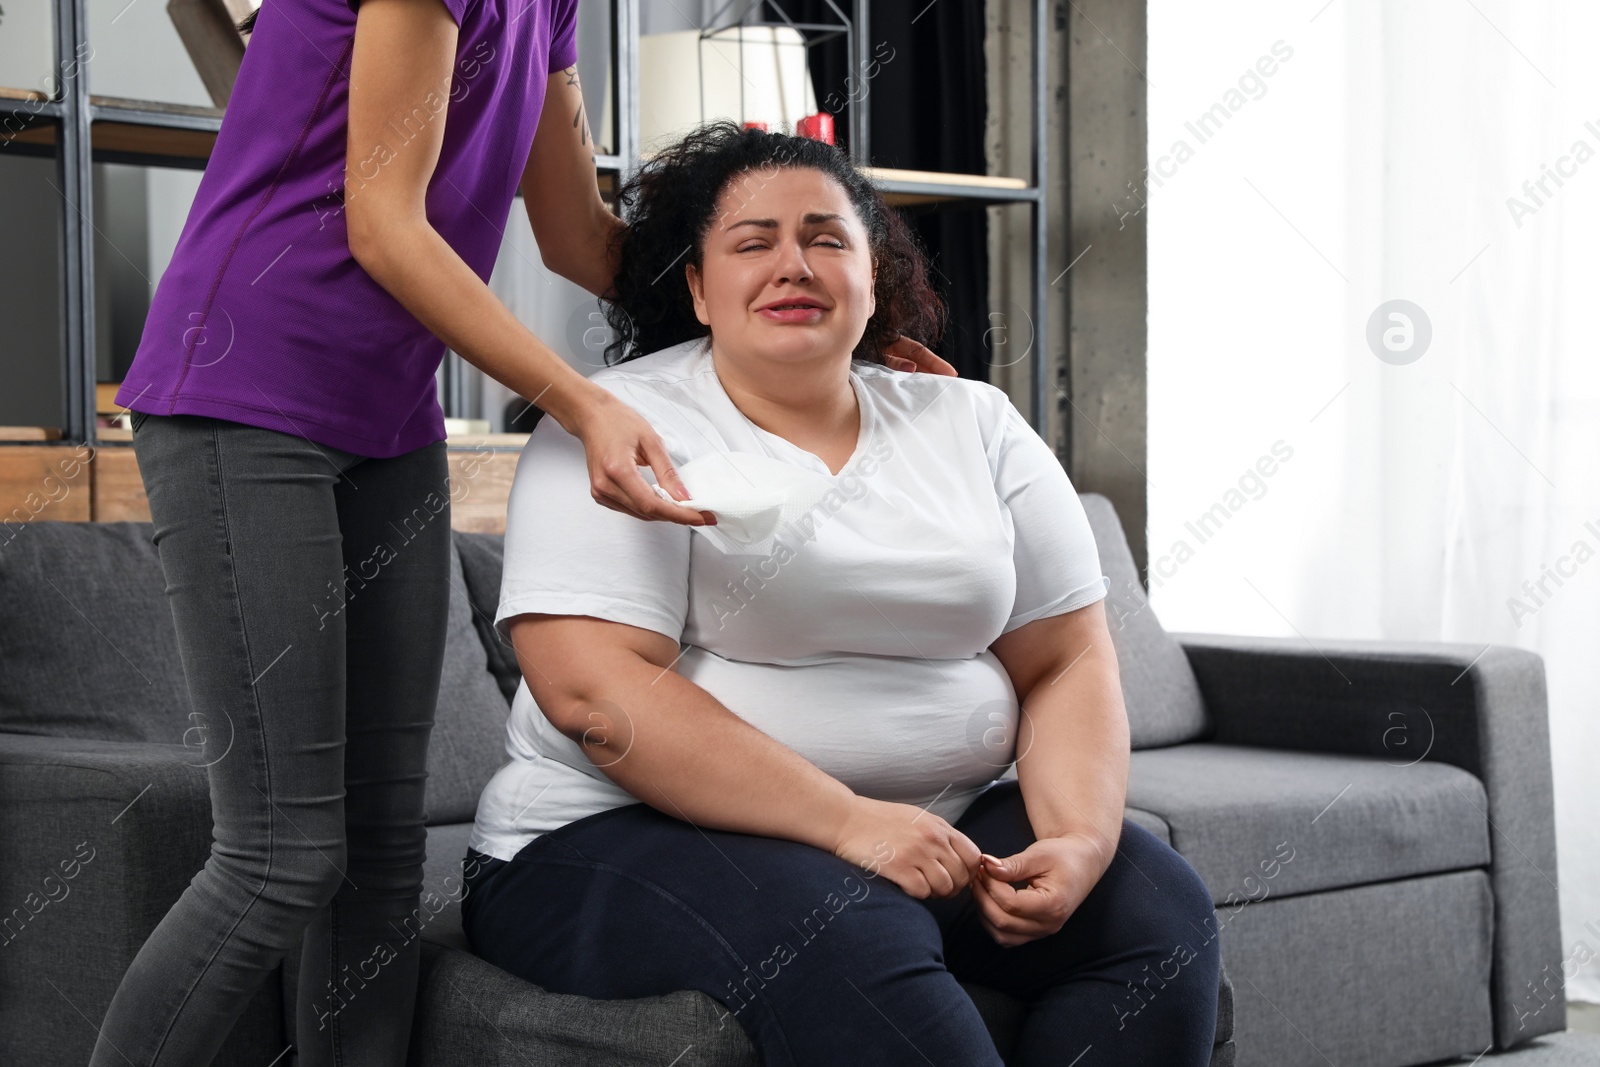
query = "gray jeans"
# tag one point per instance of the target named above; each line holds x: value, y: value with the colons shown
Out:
x: 309, y: 587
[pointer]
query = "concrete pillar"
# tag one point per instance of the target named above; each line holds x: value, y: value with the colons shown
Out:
x: 1096, y: 300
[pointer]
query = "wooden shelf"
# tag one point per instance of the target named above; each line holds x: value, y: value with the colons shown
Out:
x: 146, y: 132
x: 104, y: 484
x: 934, y: 177
x: 8, y: 93
x: 903, y: 188
x: 42, y: 133
x: 158, y: 108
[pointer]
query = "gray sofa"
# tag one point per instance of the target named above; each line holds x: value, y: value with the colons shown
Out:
x: 1374, y: 821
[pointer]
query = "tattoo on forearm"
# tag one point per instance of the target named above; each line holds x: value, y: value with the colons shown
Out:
x: 581, y: 126
x: 579, y: 121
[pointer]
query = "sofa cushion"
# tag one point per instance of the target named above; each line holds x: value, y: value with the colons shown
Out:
x: 1257, y: 822
x: 1158, y: 685
x: 86, y: 636
x: 1389, y: 973
x: 1150, y: 821
x: 471, y: 1013
x: 91, y: 652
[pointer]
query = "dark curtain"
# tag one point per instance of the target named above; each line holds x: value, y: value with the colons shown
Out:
x: 926, y: 101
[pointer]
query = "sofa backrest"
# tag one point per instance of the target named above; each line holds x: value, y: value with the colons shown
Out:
x: 88, y: 649
x: 1158, y: 686
x: 87, y: 645
x: 483, y: 557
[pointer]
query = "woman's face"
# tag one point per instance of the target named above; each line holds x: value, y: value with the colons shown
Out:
x: 789, y: 238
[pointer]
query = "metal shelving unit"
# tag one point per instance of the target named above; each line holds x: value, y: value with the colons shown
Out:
x: 78, y: 129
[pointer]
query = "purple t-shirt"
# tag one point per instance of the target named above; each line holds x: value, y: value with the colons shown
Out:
x: 263, y: 317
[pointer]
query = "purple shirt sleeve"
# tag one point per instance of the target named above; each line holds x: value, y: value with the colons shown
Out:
x: 457, y: 8
x: 563, y: 35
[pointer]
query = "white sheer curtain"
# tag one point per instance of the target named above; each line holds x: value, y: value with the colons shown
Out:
x: 1380, y: 153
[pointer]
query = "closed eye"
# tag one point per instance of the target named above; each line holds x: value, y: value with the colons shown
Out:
x: 826, y: 244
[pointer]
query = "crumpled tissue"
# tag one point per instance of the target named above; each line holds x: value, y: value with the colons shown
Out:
x: 751, y: 495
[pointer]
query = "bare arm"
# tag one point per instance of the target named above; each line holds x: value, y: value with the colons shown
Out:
x: 577, y: 233
x: 610, y: 687
x: 400, y: 73
x: 1072, y: 766
x: 1073, y: 739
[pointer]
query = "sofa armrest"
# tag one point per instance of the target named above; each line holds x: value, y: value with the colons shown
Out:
x: 97, y: 839
x: 1480, y: 708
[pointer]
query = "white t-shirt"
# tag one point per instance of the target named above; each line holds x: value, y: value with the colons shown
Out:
x: 857, y: 634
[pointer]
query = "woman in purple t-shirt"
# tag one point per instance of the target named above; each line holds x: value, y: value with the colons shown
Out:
x: 289, y: 435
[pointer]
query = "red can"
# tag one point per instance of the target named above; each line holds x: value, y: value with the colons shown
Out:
x: 762, y: 126
x: 818, y: 127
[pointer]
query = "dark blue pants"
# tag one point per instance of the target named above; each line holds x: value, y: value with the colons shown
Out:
x: 824, y: 963
x: 310, y: 589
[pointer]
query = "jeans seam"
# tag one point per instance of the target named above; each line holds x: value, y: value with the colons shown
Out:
x: 233, y: 576
x: 333, y: 971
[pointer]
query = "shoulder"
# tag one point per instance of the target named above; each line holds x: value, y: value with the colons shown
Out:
x: 940, y: 398
x: 675, y: 363
x: 670, y: 376
x: 907, y: 387
x: 675, y: 390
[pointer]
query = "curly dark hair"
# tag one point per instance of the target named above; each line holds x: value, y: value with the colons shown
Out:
x: 671, y: 202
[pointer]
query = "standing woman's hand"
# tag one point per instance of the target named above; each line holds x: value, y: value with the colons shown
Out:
x: 617, y: 441
x: 907, y: 354
x: 403, y: 49
x: 577, y: 236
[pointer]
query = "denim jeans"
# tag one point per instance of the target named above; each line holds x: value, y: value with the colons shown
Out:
x: 309, y: 587
x: 825, y: 963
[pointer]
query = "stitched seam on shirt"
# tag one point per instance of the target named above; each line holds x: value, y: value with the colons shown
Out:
x: 596, y: 600
x: 222, y: 268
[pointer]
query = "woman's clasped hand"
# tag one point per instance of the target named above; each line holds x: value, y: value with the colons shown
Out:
x: 1019, y: 898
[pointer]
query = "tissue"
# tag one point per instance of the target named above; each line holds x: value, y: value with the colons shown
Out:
x: 751, y: 495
